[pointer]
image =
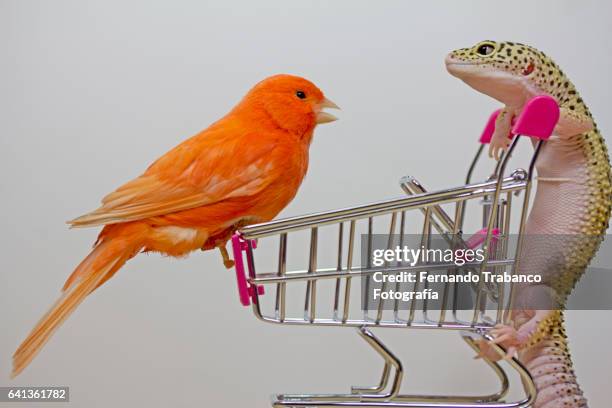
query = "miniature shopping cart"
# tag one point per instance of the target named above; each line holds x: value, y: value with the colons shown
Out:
x: 326, y: 291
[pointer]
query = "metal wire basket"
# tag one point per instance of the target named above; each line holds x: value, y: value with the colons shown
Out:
x: 324, y: 293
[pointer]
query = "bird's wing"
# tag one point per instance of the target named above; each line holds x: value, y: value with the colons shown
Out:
x: 202, y: 170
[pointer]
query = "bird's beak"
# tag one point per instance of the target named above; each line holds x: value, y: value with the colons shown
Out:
x: 324, y: 117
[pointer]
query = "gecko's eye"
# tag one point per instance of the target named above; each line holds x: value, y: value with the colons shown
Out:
x: 485, y: 49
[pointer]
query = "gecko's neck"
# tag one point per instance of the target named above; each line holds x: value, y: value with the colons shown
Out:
x: 511, y: 90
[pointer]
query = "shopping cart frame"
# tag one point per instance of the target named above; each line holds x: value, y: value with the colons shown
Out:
x: 537, y: 120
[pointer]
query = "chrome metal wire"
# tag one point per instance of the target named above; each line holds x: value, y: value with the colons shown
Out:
x: 338, y: 306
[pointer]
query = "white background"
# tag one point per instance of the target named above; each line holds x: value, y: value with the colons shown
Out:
x: 91, y: 92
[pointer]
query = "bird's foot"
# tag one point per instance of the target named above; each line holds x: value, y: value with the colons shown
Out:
x: 229, y: 263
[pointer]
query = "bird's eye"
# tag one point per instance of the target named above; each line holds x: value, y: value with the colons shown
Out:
x: 485, y: 49
x: 300, y: 94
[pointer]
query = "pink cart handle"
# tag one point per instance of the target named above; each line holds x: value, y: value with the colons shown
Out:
x: 538, y: 118
x: 489, y: 129
x: 479, y: 238
x: 246, y: 291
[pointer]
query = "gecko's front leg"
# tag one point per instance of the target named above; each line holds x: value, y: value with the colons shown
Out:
x: 500, y: 139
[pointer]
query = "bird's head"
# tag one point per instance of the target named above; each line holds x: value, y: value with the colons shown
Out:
x: 293, y: 103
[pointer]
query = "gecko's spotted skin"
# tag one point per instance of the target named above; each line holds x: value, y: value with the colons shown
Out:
x: 570, y: 211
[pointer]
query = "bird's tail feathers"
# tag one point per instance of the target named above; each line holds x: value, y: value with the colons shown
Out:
x: 109, y: 254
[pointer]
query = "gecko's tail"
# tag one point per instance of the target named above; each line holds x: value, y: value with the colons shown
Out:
x: 550, y: 365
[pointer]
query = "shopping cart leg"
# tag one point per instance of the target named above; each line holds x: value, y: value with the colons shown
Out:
x: 390, y: 360
x: 373, y: 397
x: 471, y: 340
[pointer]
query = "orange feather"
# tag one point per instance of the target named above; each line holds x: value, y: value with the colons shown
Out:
x: 245, y: 168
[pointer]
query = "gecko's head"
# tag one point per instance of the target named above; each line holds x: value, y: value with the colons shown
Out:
x: 507, y: 71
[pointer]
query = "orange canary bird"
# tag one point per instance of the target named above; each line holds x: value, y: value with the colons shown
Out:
x: 243, y: 169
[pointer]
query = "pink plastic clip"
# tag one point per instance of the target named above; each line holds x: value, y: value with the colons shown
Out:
x: 479, y: 238
x: 487, y: 133
x: 246, y: 291
x: 489, y: 129
x: 538, y: 118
